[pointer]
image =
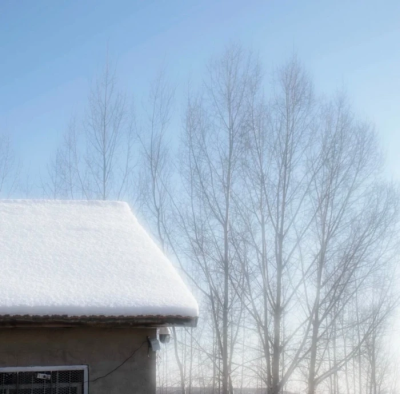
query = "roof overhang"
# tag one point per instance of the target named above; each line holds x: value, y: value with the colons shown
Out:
x: 30, y: 321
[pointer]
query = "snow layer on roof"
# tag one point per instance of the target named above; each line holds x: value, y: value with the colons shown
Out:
x: 84, y: 258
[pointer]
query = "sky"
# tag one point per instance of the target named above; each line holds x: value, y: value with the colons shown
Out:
x: 51, y: 51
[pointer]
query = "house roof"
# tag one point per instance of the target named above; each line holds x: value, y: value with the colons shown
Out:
x: 85, y: 261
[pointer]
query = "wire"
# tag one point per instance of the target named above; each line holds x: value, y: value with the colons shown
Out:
x: 120, y: 365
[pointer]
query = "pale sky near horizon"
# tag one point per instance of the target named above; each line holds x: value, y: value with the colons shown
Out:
x: 52, y: 50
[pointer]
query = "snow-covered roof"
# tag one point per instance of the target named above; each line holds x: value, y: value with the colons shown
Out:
x: 84, y: 258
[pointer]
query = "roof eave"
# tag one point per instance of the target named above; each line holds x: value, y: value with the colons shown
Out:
x: 13, y: 321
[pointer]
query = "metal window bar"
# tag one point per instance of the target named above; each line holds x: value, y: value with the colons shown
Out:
x: 44, y: 380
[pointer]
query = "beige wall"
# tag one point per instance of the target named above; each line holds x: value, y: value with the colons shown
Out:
x: 101, y: 349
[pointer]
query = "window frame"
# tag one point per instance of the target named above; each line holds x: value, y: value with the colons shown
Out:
x: 42, y: 368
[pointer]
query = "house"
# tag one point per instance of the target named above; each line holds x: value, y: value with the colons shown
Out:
x: 83, y: 293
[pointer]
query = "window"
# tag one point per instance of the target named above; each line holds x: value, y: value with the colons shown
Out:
x: 44, y: 380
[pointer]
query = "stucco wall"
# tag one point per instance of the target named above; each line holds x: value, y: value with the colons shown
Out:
x: 101, y: 349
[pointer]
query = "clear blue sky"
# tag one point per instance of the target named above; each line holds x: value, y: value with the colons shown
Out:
x: 51, y: 50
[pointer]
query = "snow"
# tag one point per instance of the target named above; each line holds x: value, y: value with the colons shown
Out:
x: 84, y: 258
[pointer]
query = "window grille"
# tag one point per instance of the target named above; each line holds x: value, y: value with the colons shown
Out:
x: 44, y: 380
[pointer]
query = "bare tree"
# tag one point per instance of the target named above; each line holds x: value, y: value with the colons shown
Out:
x: 354, y: 226
x: 156, y: 179
x: 319, y: 222
x: 371, y: 371
x: 96, y: 157
x: 108, y: 153
x: 156, y: 165
x: 277, y: 216
x: 215, y: 125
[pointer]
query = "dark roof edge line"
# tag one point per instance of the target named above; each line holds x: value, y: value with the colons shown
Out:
x: 98, y: 321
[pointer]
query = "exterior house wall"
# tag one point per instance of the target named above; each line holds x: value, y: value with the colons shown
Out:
x: 101, y: 349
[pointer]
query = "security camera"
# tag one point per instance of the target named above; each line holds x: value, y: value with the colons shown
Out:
x: 154, y: 344
x: 164, y: 334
